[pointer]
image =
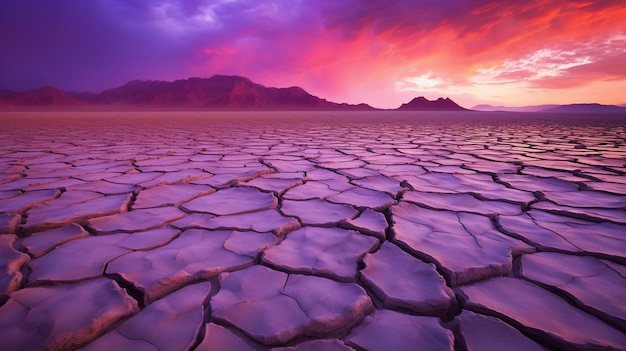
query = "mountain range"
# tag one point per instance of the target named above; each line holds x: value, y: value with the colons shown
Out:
x: 235, y: 93
x: 217, y: 92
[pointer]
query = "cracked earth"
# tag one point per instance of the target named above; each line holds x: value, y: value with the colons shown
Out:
x: 341, y: 231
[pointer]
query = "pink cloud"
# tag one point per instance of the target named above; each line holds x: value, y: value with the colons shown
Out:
x: 610, y: 68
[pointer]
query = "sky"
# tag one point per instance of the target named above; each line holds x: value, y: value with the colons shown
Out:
x: 381, y: 52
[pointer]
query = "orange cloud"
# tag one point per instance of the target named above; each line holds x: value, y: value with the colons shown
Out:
x: 503, y: 35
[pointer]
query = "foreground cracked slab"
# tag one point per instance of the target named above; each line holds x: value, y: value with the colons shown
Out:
x: 330, y: 252
x: 276, y: 230
x: 8, y: 222
x: 363, y: 198
x: 389, y: 330
x: 323, y: 344
x: 232, y: 201
x: 41, y: 243
x: 274, y: 307
x: 577, y: 278
x: 401, y: 281
x: 217, y: 337
x: 196, y: 254
x: 485, y: 333
x: 93, y: 253
x: 546, y: 230
x: 27, y: 200
x: 64, y: 210
x: 462, y: 203
x: 62, y: 317
x: 170, y: 194
x: 318, y: 212
x: 136, y: 220
x: 11, y: 262
x: 371, y: 223
x: 260, y: 221
x: 466, y: 246
x: 524, y: 304
x: 175, y: 322
x: 481, y: 184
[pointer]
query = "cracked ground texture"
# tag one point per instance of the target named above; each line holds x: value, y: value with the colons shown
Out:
x: 312, y: 231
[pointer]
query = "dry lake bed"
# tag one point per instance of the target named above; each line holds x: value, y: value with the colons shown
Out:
x: 312, y: 231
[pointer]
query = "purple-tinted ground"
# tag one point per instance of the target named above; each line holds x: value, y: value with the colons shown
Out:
x: 312, y: 231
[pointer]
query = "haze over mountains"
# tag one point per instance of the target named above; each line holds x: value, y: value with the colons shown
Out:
x: 491, y: 108
x: 46, y: 96
x: 570, y: 108
x: 235, y: 92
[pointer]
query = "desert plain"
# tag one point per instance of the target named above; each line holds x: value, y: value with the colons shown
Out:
x: 327, y: 230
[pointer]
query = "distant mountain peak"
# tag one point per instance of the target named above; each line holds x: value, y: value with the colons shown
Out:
x: 422, y: 104
x: 229, y: 77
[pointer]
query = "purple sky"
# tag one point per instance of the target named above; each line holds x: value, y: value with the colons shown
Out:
x: 383, y: 52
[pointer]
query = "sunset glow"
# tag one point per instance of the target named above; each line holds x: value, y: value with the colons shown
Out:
x: 380, y: 52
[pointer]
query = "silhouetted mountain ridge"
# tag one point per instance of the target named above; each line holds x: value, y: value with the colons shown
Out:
x: 236, y: 92
x: 219, y: 91
x: 423, y: 104
x: 216, y: 92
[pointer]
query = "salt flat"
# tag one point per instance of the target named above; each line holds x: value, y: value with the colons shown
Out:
x: 312, y: 231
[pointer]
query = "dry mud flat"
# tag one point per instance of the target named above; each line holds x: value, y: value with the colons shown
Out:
x: 312, y: 231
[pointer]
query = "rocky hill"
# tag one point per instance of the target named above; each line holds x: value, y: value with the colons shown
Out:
x: 222, y: 92
x: 423, y: 104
